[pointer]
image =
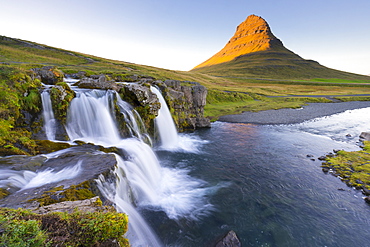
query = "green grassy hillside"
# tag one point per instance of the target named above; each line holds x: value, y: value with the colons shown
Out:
x: 277, y: 63
x: 268, y: 75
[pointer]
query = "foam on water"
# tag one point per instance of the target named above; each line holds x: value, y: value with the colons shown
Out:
x: 28, y: 179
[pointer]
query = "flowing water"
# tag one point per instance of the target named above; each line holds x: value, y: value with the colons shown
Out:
x: 48, y: 114
x: 275, y: 194
x: 255, y: 180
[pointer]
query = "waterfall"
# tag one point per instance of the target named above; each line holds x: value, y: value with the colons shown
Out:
x: 164, y: 124
x: 141, y: 181
x: 48, y: 114
x: 90, y: 118
x: 133, y: 120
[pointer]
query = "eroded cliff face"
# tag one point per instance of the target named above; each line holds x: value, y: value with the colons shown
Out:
x: 186, y: 100
x: 252, y: 35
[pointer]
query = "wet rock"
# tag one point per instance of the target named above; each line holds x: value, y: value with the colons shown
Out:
x: 89, y: 205
x: 187, y: 99
x: 93, y: 163
x: 229, y: 240
x: 367, y: 199
x: 322, y: 158
x: 365, y: 136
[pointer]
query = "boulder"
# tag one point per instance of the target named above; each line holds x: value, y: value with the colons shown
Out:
x: 48, y: 75
x: 85, y: 164
x: 229, y: 240
x: 365, y: 136
x: 97, y: 82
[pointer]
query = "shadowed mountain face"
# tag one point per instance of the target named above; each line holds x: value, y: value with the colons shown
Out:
x: 255, y: 52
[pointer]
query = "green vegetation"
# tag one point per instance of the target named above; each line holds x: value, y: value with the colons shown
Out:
x: 22, y: 228
x: 223, y: 103
x: 59, y: 194
x: 277, y: 63
x: 18, y: 92
x: 352, y: 167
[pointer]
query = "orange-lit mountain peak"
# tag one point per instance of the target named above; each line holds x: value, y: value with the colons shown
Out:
x: 252, y: 35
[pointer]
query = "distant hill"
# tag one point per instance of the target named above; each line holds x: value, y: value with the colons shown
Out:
x: 255, y: 52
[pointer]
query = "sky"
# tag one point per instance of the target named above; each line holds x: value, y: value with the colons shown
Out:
x: 180, y: 34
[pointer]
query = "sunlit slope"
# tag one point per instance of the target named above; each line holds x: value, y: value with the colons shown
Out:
x: 254, y: 52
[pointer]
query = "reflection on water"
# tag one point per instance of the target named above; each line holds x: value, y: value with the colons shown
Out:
x: 276, y: 195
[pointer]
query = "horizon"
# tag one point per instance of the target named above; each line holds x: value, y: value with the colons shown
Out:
x: 181, y: 35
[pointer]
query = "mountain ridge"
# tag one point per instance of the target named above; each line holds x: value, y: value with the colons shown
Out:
x: 255, y: 52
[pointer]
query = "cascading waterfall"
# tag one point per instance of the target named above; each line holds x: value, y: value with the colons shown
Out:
x: 141, y: 182
x: 165, y: 124
x: 48, y: 114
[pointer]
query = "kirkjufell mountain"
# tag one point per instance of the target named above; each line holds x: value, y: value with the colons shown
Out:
x: 255, y: 52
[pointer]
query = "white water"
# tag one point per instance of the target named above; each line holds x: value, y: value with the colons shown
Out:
x: 142, y: 182
x: 164, y: 124
x: 89, y: 118
x: 29, y: 179
x: 48, y: 114
x: 133, y: 120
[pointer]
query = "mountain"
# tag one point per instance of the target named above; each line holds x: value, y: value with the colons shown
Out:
x: 255, y: 52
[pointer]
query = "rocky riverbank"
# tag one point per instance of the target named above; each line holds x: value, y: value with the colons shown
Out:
x: 292, y: 116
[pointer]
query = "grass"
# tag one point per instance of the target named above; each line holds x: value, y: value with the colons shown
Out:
x: 260, y: 80
x: 352, y: 167
x: 221, y: 103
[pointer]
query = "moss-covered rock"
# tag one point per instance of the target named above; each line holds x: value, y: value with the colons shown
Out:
x: 81, y: 191
x: 61, y: 96
x: 143, y: 100
x: 352, y: 167
x: 21, y: 227
x: 46, y: 146
x: 186, y: 101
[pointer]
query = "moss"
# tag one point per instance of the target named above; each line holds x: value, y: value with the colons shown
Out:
x: 23, y: 228
x: 352, y: 167
x: 61, y: 96
x: 46, y: 146
x: 59, y: 194
x: 3, y: 193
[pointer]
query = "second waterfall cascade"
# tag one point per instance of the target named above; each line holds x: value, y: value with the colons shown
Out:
x: 142, y: 182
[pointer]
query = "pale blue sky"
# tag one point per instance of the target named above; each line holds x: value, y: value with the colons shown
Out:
x: 181, y: 34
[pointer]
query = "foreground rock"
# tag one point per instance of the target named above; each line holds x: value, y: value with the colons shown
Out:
x: 71, y: 175
x: 230, y: 240
x: 365, y: 136
x: 88, y: 205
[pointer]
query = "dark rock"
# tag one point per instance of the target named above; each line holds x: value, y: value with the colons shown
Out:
x: 93, y: 164
x: 309, y: 155
x: 322, y: 158
x: 367, y: 199
x: 365, y: 136
x: 97, y: 82
x: 325, y: 169
x: 187, y: 99
x: 348, y: 135
x: 49, y: 75
x: 365, y: 191
x: 229, y: 240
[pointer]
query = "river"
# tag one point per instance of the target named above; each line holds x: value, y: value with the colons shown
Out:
x: 267, y: 189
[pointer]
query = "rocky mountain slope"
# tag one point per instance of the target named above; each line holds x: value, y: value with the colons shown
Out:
x: 255, y: 52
